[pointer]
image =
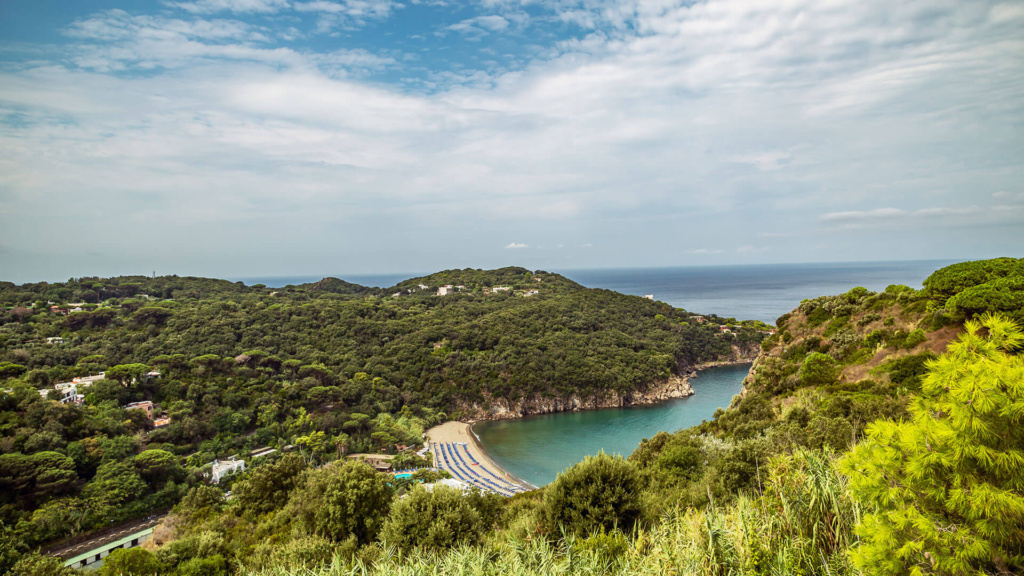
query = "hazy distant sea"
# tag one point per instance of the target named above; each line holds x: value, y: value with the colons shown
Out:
x: 753, y: 292
x: 756, y: 292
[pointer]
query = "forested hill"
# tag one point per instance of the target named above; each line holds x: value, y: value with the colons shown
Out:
x: 836, y: 364
x: 327, y: 367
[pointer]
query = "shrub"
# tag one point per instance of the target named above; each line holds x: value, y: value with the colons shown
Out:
x: 267, y: 487
x: 435, y: 520
x: 339, y: 501
x: 914, y: 338
x: 134, y: 561
x: 819, y: 370
x: 602, y: 492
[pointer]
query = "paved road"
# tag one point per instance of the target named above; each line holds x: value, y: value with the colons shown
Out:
x: 120, y: 532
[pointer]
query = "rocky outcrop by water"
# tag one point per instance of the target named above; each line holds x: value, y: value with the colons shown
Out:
x: 674, y: 387
x: 500, y: 408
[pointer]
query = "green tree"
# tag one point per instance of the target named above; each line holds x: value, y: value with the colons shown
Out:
x: 266, y: 488
x: 946, y: 490
x: 819, y: 370
x: 126, y: 374
x: 434, y: 520
x: 12, y: 548
x: 602, y: 492
x: 158, y: 466
x: 35, y: 564
x: 115, y: 483
x: 134, y: 561
x: 339, y: 501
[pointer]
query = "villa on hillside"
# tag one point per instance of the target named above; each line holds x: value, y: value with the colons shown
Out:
x: 220, y: 469
x: 449, y: 289
x: 146, y: 405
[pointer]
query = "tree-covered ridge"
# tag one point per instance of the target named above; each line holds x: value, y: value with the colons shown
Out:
x: 241, y: 368
x: 938, y: 494
x: 339, y: 286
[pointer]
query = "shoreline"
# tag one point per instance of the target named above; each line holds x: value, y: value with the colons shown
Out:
x: 458, y: 432
x: 671, y: 389
x: 487, y: 457
x: 466, y: 425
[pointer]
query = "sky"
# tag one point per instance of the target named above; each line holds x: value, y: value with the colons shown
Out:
x: 235, y: 138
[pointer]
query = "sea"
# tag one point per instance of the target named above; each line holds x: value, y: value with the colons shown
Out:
x: 750, y: 292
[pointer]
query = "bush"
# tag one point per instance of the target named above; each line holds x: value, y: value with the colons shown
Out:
x: 602, y: 492
x: 340, y: 501
x: 914, y: 338
x: 434, y: 520
x: 134, y: 561
x: 819, y: 370
x: 266, y: 488
x: 35, y: 564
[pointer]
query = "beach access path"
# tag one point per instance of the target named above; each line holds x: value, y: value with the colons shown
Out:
x: 460, y: 433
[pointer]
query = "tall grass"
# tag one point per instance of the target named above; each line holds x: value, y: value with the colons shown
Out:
x: 801, y: 524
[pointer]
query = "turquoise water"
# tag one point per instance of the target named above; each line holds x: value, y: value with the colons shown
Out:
x: 405, y: 475
x: 537, y: 448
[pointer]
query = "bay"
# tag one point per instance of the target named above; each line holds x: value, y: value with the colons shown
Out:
x: 537, y: 448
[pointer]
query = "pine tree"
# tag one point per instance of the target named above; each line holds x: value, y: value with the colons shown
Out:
x: 944, y: 493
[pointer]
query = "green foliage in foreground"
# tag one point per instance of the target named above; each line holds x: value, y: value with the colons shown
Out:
x: 435, y: 520
x: 946, y: 488
x: 600, y: 493
x: 801, y: 525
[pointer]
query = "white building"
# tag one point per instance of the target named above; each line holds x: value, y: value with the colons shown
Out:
x: 86, y: 381
x: 221, y: 469
x: 649, y: 296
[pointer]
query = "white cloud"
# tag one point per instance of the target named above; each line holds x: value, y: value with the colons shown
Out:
x: 480, y: 26
x: 516, y: 246
x: 347, y: 14
x: 859, y: 215
x: 236, y: 6
x: 669, y: 125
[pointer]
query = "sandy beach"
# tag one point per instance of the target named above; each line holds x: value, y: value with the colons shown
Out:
x: 459, y: 433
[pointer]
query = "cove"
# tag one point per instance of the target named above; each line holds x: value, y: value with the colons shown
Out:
x: 537, y: 448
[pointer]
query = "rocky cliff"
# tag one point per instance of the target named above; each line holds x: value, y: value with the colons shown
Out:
x: 671, y: 388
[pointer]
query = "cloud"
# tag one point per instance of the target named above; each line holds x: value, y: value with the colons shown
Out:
x: 640, y: 127
x: 347, y: 14
x: 887, y: 214
x: 480, y: 26
x: 516, y: 246
x: 235, y: 6
x: 862, y: 215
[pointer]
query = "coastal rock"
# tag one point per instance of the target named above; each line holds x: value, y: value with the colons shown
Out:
x: 500, y: 409
x: 674, y: 387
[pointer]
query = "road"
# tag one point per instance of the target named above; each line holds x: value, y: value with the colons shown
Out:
x: 119, y: 532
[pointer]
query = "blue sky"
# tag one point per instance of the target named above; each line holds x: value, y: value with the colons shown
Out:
x: 264, y: 137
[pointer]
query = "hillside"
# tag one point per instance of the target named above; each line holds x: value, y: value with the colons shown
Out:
x: 330, y: 367
x: 863, y: 409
